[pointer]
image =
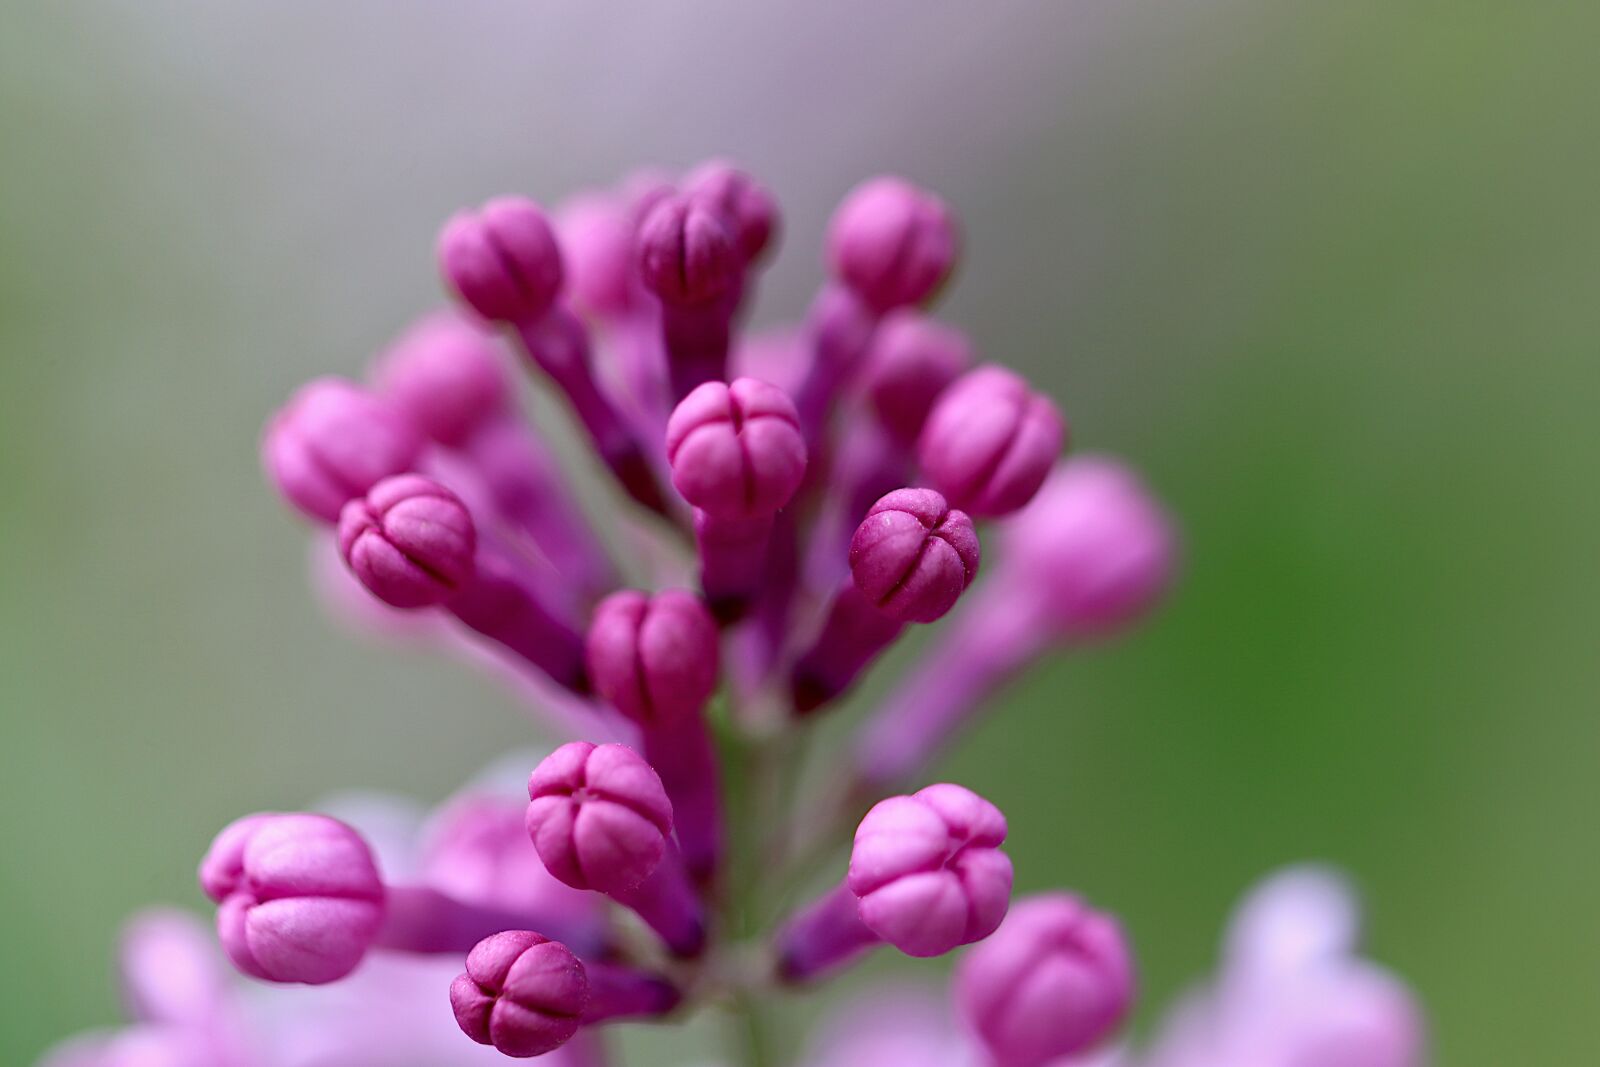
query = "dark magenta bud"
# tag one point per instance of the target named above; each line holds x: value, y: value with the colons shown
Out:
x: 522, y: 993
x: 686, y: 255
x: 990, y: 441
x: 912, y: 360
x: 747, y: 207
x: 654, y: 658
x: 410, y: 541
x: 736, y: 449
x: 912, y: 556
x: 332, y: 442
x: 503, y: 260
x: 892, y: 243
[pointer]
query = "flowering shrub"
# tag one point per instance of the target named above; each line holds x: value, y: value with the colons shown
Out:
x: 787, y: 507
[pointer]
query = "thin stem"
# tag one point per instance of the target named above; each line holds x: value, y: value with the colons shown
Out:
x: 754, y: 1040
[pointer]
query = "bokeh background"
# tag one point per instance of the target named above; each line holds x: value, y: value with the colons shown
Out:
x: 1329, y: 272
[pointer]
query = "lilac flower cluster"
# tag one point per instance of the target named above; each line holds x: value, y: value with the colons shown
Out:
x: 799, y: 500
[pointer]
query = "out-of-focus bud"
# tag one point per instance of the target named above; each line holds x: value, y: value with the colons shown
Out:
x: 736, y: 449
x: 653, y: 657
x: 891, y: 242
x: 912, y: 555
x: 989, y: 442
x: 332, y: 442
x: 299, y: 896
x: 410, y: 541
x: 686, y: 255
x: 747, y: 207
x: 598, y: 816
x: 445, y: 375
x: 502, y: 260
x: 1094, y: 546
x: 522, y: 993
x: 928, y: 871
x: 1053, y: 981
x: 597, y: 239
x: 912, y: 360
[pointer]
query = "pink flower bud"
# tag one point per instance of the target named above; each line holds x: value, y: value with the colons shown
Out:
x: 654, y: 658
x: 1053, y: 981
x: 746, y: 207
x: 597, y: 236
x: 598, y: 816
x: 891, y: 242
x: 522, y: 993
x: 445, y: 375
x: 736, y: 449
x: 503, y: 260
x: 1095, y: 549
x: 300, y: 898
x: 332, y: 442
x: 912, y: 360
x: 928, y: 872
x: 686, y: 254
x: 411, y: 541
x: 989, y: 442
x: 912, y: 556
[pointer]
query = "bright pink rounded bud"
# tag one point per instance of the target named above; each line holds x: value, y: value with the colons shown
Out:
x: 1095, y: 546
x: 686, y: 255
x: 1055, y: 980
x: 445, y: 375
x: 892, y: 243
x: 522, y: 993
x: 598, y: 816
x: 990, y: 441
x: 912, y: 360
x: 411, y: 541
x: 300, y: 897
x: 746, y: 207
x: 928, y: 872
x: 503, y: 259
x: 332, y: 442
x: 654, y: 658
x: 912, y: 556
x: 736, y: 449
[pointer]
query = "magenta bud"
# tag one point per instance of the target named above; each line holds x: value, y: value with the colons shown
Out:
x: 598, y: 816
x: 445, y: 375
x: 686, y: 254
x: 891, y: 242
x: 912, y: 360
x: 332, y: 442
x: 503, y: 259
x: 597, y: 238
x: 654, y: 658
x: 411, y: 542
x: 736, y: 449
x: 299, y: 896
x: 746, y: 207
x: 989, y: 442
x: 912, y: 556
x: 928, y: 872
x: 1095, y: 547
x: 522, y: 993
x: 1055, y: 980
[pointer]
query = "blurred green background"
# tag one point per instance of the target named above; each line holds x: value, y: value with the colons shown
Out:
x: 1330, y: 272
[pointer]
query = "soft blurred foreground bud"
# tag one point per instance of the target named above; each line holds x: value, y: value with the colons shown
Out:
x: 502, y: 260
x: 410, y: 541
x: 446, y: 376
x: 913, y: 555
x: 990, y: 441
x: 299, y: 896
x: 736, y: 449
x: 891, y: 242
x: 598, y: 816
x: 653, y: 657
x: 332, y: 442
x: 1055, y: 980
x: 912, y: 361
x: 522, y: 993
x: 928, y: 871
